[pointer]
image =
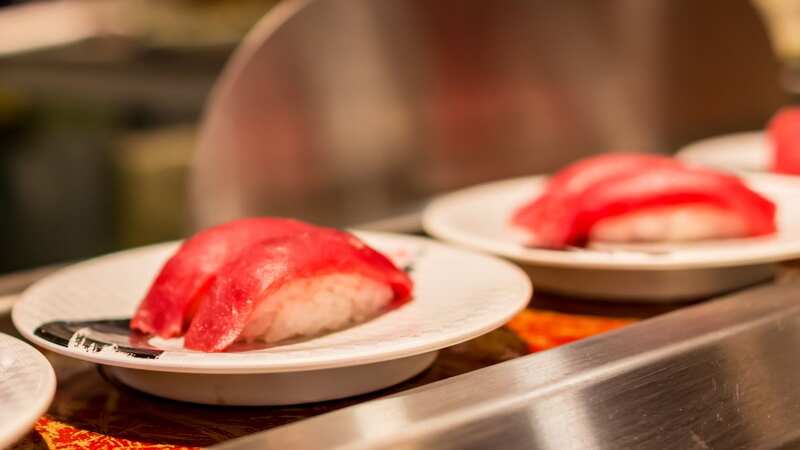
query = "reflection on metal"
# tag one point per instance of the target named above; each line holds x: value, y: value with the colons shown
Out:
x: 347, y: 111
x: 718, y: 375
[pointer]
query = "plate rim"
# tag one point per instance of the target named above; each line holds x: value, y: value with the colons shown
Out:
x: 434, y: 222
x: 689, y: 152
x: 24, y: 422
x: 215, y: 367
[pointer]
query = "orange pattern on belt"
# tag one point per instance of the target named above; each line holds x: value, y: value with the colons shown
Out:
x: 542, y: 330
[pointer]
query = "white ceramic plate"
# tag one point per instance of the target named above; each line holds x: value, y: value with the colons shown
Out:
x: 458, y: 295
x: 478, y: 217
x: 749, y: 151
x: 27, y: 385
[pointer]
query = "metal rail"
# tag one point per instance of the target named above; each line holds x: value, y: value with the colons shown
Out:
x: 717, y: 375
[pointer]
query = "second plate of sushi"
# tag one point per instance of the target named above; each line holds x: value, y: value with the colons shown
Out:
x: 626, y: 226
x: 271, y: 311
x: 775, y: 150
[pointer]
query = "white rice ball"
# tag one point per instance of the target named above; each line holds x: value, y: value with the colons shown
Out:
x: 311, y: 306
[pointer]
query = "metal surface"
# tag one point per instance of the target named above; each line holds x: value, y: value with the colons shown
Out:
x: 719, y: 375
x: 342, y: 112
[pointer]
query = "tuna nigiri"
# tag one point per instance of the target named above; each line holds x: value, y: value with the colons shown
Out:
x: 642, y: 199
x: 268, y: 280
x: 172, y: 298
x: 296, y: 286
x: 569, y: 184
x: 784, y: 135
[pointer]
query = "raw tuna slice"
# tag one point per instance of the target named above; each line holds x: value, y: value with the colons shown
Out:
x: 662, y: 202
x: 784, y: 135
x: 295, y: 286
x: 172, y: 299
x: 567, y: 185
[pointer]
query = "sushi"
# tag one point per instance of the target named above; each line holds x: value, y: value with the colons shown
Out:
x: 784, y: 135
x: 296, y: 286
x: 172, y: 299
x: 566, y: 187
x: 641, y: 198
x: 300, y: 281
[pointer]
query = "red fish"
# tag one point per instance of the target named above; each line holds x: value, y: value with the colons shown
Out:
x: 173, y: 297
x: 567, y: 185
x: 651, y: 200
x: 784, y: 135
x: 247, y: 290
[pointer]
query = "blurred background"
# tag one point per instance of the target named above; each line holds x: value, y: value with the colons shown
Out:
x: 344, y: 111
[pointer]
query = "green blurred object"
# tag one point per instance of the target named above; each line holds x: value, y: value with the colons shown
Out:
x: 53, y: 183
x: 151, y: 169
